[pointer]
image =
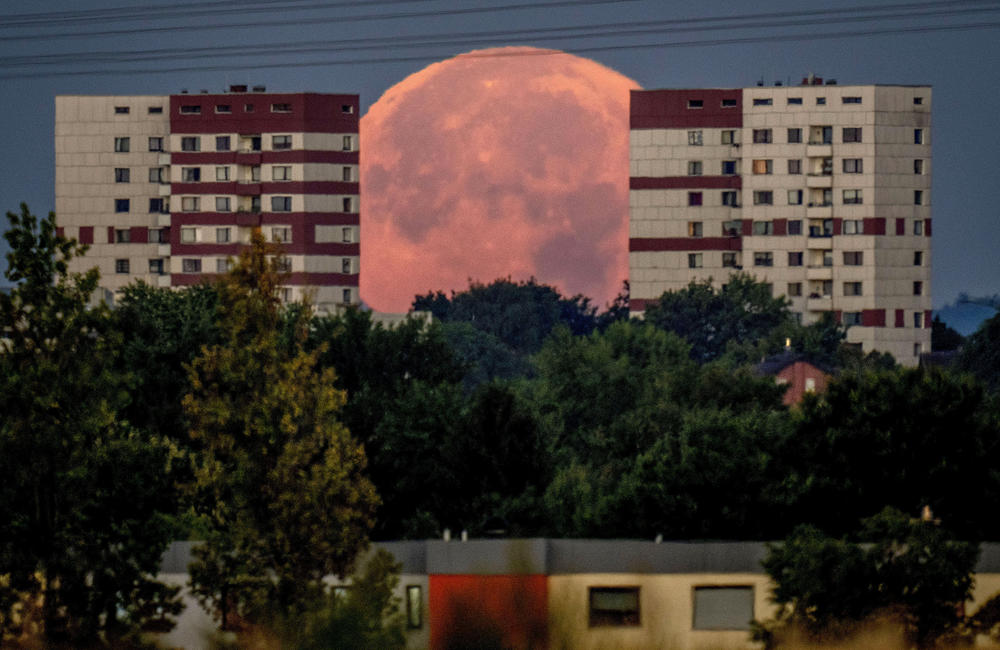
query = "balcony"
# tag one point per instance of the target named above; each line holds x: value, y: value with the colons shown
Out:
x: 816, y: 302
x: 819, y: 180
x: 819, y: 272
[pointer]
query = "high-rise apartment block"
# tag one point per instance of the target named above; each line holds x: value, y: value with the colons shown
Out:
x: 168, y: 188
x: 821, y: 190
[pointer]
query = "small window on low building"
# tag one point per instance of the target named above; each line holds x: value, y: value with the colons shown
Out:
x: 695, y: 103
x: 121, y: 110
x: 121, y: 266
x: 414, y: 595
x: 614, y: 606
x: 723, y: 608
x: 155, y: 110
x: 223, y: 108
x: 281, y: 108
x: 762, y: 101
x: 346, y: 108
x: 190, y: 109
x: 728, y: 103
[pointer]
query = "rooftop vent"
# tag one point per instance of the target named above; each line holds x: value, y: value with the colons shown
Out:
x: 184, y: 91
x: 831, y: 82
x: 260, y: 89
x: 204, y: 91
x: 777, y: 83
x: 238, y: 89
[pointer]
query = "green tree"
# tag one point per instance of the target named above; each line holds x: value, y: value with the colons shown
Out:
x: 897, y: 569
x: 741, y: 312
x: 981, y: 353
x: 279, y: 478
x: 943, y: 337
x: 83, y: 497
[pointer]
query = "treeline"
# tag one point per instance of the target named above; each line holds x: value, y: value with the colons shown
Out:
x: 285, y: 440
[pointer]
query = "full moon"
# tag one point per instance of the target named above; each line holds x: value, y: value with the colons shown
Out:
x: 506, y: 162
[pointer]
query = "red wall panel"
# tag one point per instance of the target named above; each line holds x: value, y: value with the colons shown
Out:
x: 668, y: 109
x: 508, y: 611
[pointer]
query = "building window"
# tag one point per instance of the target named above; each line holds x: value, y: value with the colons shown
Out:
x: 762, y: 258
x: 348, y: 143
x: 248, y: 108
x: 828, y: 259
x: 854, y: 258
x: 723, y: 608
x: 694, y: 260
x: 121, y: 205
x: 729, y: 260
x: 694, y: 229
x: 918, y: 166
x: 795, y: 259
x: 190, y: 109
x: 795, y: 227
x: 795, y: 166
x: 918, y: 136
x: 794, y: 289
x: 281, y: 173
x: 223, y: 265
x: 694, y: 198
x: 763, y: 228
x: 695, y: 138
x: 852, y: 289
x: 283, y: 265
x: 695, y: 103
x: 190, y: 143
x: 222, y: 204
x: 345, y: 265
x: 762, y: 101
x: 281, y: 204
x: 851, y: 100
x: 190, y: 204
x: 347, y: 204
x: 850, y: 318
x: 156, y: 205
x: 728, y: 167
x: 121, y: 145
x: 917, y: 101
x: 917, y: 349
x: 159, y: 236
x: 222, y: 173
x: 222, y: 143
x: 794, y: 136
x: 762, y: 136
x: 853, y: 166
x: 918, y: 197
x: 851, y: 134
x: 794, y: 101
x: 347, y: 108
x: 189, y: 235
x: 918, y: 258
x: 121, y: 175
x: 156, y: 267
x: 155, y: 110
x: 222, y: 235
x: 763, y: 166
x: 414, y: 607
x: 346, y: 236
x: 157, y: 174
x: 729, y: 137
x: 852, y: 197
x: 731, y: 199
x: 728, y: 103
x: 918, y: 288
x: 123, y: 236
x: 763, y: 197
x: 614, y: 606
x: 347, y: 296
x: 853, y: 227
x: 281, y: 142
x: 917, y: 319
x: 225, y: 109
x: 281, y: 108
x: 121, y: 266
x: 191, y: 174
x: 255, y: 173
x: 694, y: 168
x: 346, y: 175
x: 156, y: 144
x: 282, y: 235
x: 918, y: 227
x: 191, y: 265
x: 794, y: 197
x: 820, y: 101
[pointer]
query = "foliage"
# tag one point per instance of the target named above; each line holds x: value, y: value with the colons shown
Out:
x: 981, y: 353
x: 741, y: 312
x: 83, y: 495
x: 904, y: 438
x: 911, y: 572
x: 943, y: 337
x: 279, y: 478
x: 366, y: 615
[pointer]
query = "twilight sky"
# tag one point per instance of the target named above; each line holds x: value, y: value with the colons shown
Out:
x: 655, y: 43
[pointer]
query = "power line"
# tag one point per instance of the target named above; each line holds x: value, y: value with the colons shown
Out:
x: 612, y: 30
x: 540, y: 4
x: 581, y: 50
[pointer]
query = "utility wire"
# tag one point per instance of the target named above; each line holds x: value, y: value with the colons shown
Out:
x: 612, y: 30
x: 515, y: 52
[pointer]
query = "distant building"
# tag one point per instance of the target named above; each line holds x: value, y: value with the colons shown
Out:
x: 797, y: 373
x: 167, y: 188
x: 821, y: 190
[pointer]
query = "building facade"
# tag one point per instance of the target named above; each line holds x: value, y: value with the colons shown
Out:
x: 821, y: 190
x: 167, y: 188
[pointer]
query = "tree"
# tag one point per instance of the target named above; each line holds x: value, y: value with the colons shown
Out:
x: 83, y: 497
x: 741, y: 312
x: 943, y: 337
x: 981, y: 353
x: 902, y: 570
x: 279, y: 478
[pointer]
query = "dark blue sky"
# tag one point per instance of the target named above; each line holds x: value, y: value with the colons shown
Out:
x: 962, y: 64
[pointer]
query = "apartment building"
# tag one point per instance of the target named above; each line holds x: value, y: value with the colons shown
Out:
x: 167, y: 188
x: 821, y: 190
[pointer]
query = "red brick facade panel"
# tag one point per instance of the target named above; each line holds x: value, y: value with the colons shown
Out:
x: 658, y: 244
x: 679, y: 109
x: 138, y: 234
x: 250, y: 113
x: 780, y: 227
x: 873, y: 318
x: 900, y: 226
x: 684, y: 182
x: 927, y: 227
x: 504, y: 611
x: 900, y: 318
x: 236, y: 158
x: 86, y: 234
x: 874, y: 226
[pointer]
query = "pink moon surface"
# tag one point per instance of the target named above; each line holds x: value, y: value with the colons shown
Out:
x: 507, y: 162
